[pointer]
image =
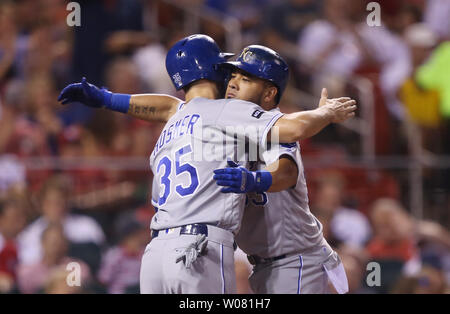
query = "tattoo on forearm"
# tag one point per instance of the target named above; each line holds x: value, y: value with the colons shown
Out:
x: 143, y: 109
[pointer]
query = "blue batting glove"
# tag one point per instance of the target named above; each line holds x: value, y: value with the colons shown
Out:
x: 92, y: 96
x: 236, y: 179
x: 86, y: 93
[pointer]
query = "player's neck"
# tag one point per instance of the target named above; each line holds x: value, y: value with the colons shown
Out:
x: 202, y: 88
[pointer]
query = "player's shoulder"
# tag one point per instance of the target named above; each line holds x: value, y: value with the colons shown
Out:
x: 246, y: 109
x: 227, y: 107
x: 221, y: 101
x: 243, y: 103
x: 218, y: 102
x: 204, y: 103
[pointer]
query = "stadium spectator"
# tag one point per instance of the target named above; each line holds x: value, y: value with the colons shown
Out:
x: 32, y: 277
x: 393, y: 232
x: 121, y: 264
x: 151, y: 64
x: 286, y: 20
x: 249, y: 13
x: 342, y: 225
x: 389, y: 51
x: 56, y: 283
x: 394, y: 244
x: 12, y: 175
x: 330, y: 48
x: 434, y: 74
x: 429, y: 280
x: 8, y: 39
x: 22, y: 133
x: 437, y: 17
x: 422, y: 104
x: 424, y: 101
x: 78, y: 229
x: 12, y: 221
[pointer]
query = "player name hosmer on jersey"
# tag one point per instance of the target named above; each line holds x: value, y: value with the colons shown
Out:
x: 212, y: 141
x: 183, y: 126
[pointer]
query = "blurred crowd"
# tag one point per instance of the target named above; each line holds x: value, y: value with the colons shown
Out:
x: 55, y: 210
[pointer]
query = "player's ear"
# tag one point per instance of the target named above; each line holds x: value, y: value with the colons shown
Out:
x: 270, y: 94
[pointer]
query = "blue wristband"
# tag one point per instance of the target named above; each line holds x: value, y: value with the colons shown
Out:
x: 119, y: 102
x: 263, y: 181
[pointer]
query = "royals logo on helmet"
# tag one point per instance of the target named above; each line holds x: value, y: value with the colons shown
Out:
x: 246, y: 55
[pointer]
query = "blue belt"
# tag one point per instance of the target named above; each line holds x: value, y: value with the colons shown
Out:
x: 255, y: 259
x: 192, y: 229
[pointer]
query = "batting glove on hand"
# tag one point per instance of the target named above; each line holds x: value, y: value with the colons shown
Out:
x: 86, y: 93
x: 236, y: 179
x: 190, y: 254
x: 92, y: 96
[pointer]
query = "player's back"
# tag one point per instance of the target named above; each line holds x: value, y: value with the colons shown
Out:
x: 199, y: 138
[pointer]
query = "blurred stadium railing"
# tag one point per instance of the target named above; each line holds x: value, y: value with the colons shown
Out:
x: 367, y: 179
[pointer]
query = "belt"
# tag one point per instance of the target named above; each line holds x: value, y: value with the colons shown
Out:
x: 255, y: 259
x: 192, y: 229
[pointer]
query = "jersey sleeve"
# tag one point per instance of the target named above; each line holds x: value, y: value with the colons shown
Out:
x: 276, y: 151
x: 288, y: 149
x: 246, y: 117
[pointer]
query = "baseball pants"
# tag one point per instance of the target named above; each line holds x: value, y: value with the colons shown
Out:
x: 212, y: 272
x: 304, y: 273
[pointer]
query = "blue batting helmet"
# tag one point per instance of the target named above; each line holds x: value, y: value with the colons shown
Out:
x: 194, y: 58
x: 264, y: 63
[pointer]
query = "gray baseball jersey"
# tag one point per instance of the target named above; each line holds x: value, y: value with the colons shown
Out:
x: 198, y: 139
x: 280, y: 223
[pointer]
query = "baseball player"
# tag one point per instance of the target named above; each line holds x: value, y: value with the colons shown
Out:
x: 283, y: 239
x: 193, y: 217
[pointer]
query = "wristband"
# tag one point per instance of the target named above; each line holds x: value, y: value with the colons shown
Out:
x: 263, y: 180
x: 119, y: 102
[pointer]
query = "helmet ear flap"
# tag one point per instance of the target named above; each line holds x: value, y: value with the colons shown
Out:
x: 226, y: 70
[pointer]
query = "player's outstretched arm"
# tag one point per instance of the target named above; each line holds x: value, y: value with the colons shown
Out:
x: 301, y: 125
x: 153, y: 107
x: 149, y: 107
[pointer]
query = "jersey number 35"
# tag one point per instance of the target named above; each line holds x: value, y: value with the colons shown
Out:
x: 179, y: 169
